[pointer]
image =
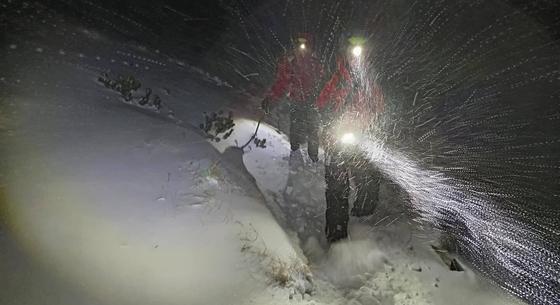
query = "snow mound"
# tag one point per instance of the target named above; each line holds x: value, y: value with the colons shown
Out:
x: 348, y: 261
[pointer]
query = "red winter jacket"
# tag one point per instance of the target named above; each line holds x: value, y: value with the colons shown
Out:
x: 298, y: 77
x: 366, y: 98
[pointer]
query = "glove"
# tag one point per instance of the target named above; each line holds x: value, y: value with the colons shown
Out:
x: 265, y: 105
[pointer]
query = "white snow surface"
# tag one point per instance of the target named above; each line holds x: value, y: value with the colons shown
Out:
x: 107, y: 203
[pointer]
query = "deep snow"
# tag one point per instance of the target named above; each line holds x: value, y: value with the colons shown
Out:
x: 106, y: 203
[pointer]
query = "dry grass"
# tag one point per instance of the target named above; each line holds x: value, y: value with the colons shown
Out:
x: 213, y: 171
x: 282, y: 272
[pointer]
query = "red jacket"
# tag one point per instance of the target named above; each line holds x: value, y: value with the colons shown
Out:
x: 366, y: 96
x: 298, y: 77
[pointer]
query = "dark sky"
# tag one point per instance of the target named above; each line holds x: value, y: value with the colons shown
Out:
x: 204, y: 21
x: 546, y: 12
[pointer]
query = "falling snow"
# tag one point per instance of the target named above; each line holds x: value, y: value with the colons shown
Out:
x: 469, y: 133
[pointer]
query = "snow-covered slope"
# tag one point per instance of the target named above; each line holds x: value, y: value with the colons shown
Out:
x: 387, y: 259
x: 127, y: 207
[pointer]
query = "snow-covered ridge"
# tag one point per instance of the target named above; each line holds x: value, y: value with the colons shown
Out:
x: 207, y: 76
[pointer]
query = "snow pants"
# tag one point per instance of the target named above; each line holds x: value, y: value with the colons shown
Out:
x: 339, y: 169
x: 304, y: 127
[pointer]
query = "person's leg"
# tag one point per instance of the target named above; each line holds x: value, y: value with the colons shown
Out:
x: 313, y: 135
x: 337, y: 191
x: 367, y: 180
x: 295, y: 126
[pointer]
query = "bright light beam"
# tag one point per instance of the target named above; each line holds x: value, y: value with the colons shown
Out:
x: 486, y: 235
x: 348, y: 138
x: 357, y: 51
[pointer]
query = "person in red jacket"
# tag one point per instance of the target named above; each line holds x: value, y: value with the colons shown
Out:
x: 349, y: 102
x: 298, y: 77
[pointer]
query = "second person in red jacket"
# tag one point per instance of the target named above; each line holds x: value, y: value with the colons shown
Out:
x: 349, y: 104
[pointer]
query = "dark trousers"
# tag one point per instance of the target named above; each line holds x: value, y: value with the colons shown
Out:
x: 304, y: 127
x: 339, y: 168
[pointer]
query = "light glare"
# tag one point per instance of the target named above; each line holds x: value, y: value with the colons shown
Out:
x: 357, y: 51
x: 348, y: 138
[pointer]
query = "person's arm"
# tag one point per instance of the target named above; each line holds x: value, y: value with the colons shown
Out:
x: 378, y: 98
x: 328, y: 92
x: 333, y: 92
x: 278, y: 89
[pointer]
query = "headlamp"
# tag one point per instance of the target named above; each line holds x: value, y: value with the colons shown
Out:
x: 357, y: 45
x: 348, y: 138
x: 346, y: 131
x: 302, y: 43
x: 357, y: 51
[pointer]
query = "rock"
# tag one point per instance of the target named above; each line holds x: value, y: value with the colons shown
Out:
x: 416, y: 268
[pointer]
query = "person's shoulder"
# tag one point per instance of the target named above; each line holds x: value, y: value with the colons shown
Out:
x: 342, y: 64
x: 286, y: 59
x: 341, y: 60
x: 287, y: 56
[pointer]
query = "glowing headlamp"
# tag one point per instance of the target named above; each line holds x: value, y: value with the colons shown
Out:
x: 346, y: 129
x: 348, y: 138
x: 302, y: 43
x: 357, y: 45
x: 357, y: 51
